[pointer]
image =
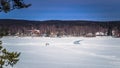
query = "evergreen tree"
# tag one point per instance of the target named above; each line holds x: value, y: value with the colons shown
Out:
x: 8, y: 5
x: 8, y: 58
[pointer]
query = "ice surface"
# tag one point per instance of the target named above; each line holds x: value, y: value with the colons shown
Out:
x: 97, y: 52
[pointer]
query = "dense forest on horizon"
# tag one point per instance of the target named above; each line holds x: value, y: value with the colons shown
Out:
x: 59, y: 28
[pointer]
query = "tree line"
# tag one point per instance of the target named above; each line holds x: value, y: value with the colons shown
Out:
x: 59, y: 28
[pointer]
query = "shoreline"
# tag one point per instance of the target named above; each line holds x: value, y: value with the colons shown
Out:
x: 63, y: 37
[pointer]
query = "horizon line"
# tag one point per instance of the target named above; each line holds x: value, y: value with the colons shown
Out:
x: 62, y: 20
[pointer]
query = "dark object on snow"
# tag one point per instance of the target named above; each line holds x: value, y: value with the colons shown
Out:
x: 77, y: 42
x: 47, y: 44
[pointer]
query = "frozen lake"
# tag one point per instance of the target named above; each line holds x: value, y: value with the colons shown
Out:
x: 100, y: 52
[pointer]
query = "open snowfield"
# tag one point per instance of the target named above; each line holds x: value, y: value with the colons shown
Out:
x: 99, y: 52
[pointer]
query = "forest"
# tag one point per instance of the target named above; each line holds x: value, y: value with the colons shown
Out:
x: 59, y: 28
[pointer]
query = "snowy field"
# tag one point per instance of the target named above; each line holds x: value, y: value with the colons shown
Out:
x: 41, y: 52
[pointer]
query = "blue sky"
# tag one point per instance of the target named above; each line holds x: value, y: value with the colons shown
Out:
x: 98, y: 10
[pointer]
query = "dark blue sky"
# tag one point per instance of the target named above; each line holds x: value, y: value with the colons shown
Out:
x: 98, y: 10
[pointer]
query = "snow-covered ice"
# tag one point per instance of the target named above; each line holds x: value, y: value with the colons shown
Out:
x: 97, y: 52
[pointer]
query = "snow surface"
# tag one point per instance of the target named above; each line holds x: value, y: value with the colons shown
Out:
x: 97, y: 52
